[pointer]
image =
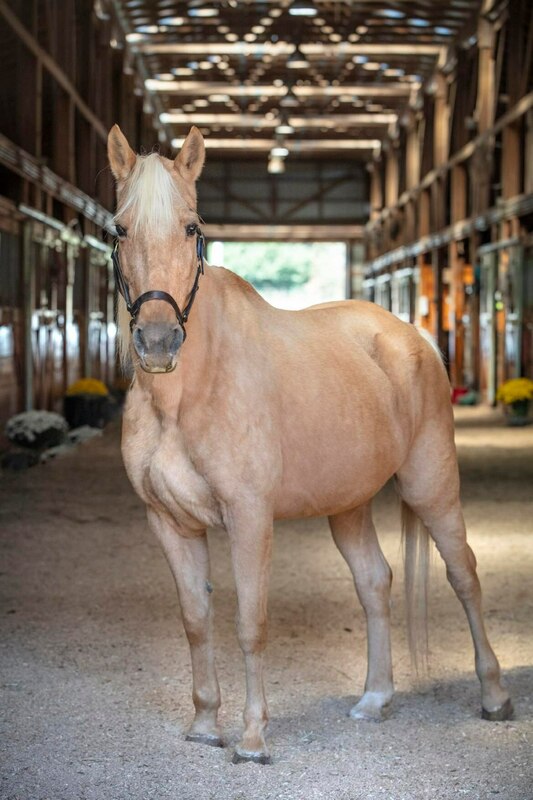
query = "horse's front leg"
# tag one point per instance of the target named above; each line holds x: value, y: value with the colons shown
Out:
x: 250, y: 535
x: 189, y: 561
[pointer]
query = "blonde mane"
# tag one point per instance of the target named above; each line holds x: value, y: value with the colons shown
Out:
x: 150, y: 196
x: 124, y: 346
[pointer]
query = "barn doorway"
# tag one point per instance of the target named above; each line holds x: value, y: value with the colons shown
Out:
x: 288, y: 275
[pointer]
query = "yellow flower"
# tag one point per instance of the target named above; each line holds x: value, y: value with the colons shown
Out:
x: 515, y: 390
x: 87, y: 386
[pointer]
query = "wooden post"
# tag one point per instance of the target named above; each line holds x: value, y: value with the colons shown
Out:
x: 457, y: 289
x: 391, y: 177
x: 376, y: 195
x: 485, y: 105
x: 481, y: 164
x: 412, y: 176
x: 528, y: 166
x: 441, y: 129
x: 412, y: 155
x: 28, y: 277
x: 510, y: 166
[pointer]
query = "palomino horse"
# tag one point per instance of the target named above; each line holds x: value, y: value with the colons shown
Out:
x: 263, y: 414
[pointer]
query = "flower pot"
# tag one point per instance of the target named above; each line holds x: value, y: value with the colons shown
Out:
x: 86, y: 409
x: 518, y: 413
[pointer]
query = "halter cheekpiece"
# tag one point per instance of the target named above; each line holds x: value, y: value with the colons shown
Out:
x: 156, y: 294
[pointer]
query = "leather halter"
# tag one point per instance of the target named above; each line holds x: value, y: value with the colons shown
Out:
x: 156, y: 294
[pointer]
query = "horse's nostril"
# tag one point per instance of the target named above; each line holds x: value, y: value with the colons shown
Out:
x: 139, y: 341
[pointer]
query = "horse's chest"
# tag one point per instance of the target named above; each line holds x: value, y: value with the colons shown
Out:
x: 168, y: 480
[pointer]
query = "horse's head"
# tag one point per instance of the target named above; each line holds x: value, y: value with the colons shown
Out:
x: 157, y: 255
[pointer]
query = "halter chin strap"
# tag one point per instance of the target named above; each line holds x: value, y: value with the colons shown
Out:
x: 155, y: 294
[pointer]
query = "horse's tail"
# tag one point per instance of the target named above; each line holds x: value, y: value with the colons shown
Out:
x: 416, y: 563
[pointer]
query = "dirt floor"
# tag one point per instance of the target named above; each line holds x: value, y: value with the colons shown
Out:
x: 95, y: 666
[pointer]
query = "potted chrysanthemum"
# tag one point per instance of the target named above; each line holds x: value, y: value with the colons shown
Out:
x: 86, y: 402
x: 516, y: 395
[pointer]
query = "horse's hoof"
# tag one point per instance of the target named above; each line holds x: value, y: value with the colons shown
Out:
x: 245, y: 757
x: 376, y: 715
x: 205, y: 738
x: 504, y: 712
x: 372, y: 707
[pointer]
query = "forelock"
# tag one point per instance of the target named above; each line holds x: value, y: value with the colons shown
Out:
x: 150, y: 197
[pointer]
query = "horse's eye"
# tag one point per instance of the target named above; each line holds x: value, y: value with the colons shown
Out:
x: 191, y: 229
x: 121, y: 232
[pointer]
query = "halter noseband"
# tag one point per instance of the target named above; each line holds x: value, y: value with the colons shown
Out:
x: 156, y: 294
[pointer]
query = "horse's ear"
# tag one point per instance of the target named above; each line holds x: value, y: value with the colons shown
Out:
x: 121, y: 156
x: 191, y: 157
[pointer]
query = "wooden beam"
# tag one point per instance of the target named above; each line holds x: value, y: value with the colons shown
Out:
x: 33, y: 172
x: 463, y: 229
x: 49, y: 64
x: 221, y: 187
x: 466, y: 152
x: 283, y: 233
x: 318, y: 195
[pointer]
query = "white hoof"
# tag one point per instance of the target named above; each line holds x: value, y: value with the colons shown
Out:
x: 372, y: 706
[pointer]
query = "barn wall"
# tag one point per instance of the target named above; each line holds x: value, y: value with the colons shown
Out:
x: 454, y: 242
x: 62, y: 86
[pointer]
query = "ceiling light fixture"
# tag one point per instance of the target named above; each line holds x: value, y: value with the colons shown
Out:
x: 197, y: 8
x: 147, y: 29
x: 284, y: 126
x: 172, y: 21
x: 302, y: 8
x: 183, y: 72
x: 276, y: 165
x: 418, y: 22
x: 297, y: 60
x: 390, y: 13
x: 289, y: 100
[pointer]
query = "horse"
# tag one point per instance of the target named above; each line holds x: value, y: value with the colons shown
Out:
x: 240, y: 413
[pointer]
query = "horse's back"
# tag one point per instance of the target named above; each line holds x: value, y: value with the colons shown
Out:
x: 404, y: 353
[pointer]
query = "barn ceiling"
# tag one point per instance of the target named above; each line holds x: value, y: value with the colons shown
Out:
x: 312, y: 78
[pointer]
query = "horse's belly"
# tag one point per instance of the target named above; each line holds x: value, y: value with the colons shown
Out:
x: 335, y: 473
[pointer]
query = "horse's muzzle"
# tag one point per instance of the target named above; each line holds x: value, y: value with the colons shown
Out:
x: 157, y: 345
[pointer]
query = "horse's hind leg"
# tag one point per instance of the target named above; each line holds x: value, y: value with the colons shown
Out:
x: 189, y: 561
x: 430, y: 486
x: 355, y: 536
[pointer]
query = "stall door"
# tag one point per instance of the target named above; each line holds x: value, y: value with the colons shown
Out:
x: 500, y: 318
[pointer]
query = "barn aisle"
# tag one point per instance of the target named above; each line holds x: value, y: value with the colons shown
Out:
x: 95, y: 668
